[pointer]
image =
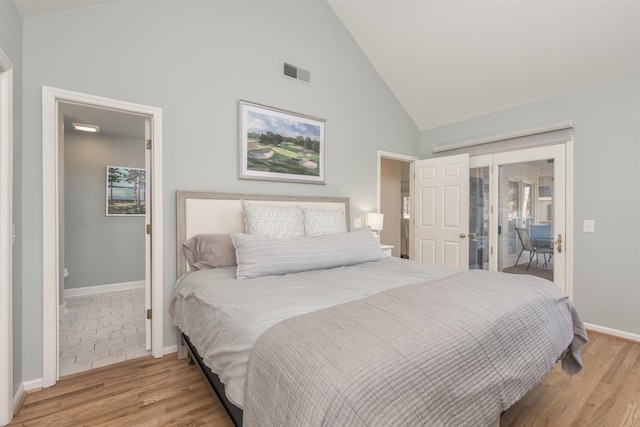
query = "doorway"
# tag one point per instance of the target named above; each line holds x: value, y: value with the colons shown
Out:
x: 102, y: 199
x: 53, y: 272
x: 518, y: 212
x: 525, y: 218
x: 507, y: 193
x: 393, y: 202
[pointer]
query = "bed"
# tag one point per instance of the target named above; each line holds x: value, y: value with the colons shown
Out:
x: 327, y: 330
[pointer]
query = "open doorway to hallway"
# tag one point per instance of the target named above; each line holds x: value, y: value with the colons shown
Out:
x: 393, y: 201
x: 103, y: 199
x: 52, y: 268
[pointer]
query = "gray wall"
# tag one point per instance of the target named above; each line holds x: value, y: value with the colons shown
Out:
x: 11, y: 45
x: 99, y: 249
x: 195, y: 60
x: 606, y: 286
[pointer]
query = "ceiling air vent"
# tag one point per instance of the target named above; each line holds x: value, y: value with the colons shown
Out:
x: 297, y: 73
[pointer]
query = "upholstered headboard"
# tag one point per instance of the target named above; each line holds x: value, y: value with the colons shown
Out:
x: 221, y: 213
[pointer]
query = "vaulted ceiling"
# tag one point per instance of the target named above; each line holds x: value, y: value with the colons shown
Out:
x: 452, y: 60
x: 448, y: 61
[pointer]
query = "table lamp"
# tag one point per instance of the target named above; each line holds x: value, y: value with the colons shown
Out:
x: 374, y: 221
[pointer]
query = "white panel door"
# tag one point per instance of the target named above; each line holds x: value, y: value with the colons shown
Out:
x: 440, y: 211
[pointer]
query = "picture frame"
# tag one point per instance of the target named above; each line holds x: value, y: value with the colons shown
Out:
x: 280, y: 145
x: 125, y: 195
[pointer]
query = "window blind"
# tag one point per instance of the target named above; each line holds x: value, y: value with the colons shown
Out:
x: 526, y: 138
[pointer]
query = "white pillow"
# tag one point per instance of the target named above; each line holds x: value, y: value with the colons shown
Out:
x: 274, y: 221
x: 321, y: 222
x: 265, y: 256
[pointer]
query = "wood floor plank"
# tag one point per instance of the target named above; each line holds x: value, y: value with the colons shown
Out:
x: 170, y: 392
x: 140, y: 392
x: 605, y: 393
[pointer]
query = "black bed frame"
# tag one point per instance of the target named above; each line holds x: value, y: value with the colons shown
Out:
x: 233, y: 411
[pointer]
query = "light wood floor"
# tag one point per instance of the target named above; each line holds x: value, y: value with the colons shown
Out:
x: 159, y: 392
x: 139, y: 392
x: 606, y: 393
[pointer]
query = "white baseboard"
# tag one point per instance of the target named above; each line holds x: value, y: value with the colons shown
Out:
x: 24, y: 388
x: 18, y: 397
x: 32, y: 385
x: 99, y: 289
x: 170, y: 349
x: 614, y: 332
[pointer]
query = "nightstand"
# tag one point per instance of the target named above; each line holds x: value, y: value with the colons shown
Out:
x: 386, y: 249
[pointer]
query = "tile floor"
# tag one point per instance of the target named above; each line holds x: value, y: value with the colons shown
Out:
x: 101, y: 329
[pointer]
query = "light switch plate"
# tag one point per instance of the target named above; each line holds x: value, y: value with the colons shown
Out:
x: 589, y: 226
x: 357, y: 222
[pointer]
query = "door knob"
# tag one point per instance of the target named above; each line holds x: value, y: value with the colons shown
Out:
x: 558, y: 243
x: 463, y: 235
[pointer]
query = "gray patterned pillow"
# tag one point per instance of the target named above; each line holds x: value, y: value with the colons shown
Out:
x: 321, y: 222
x: 266, y: 256
x: 273, y: 221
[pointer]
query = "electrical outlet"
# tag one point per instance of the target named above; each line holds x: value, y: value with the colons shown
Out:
x: 357, y: 222
x: 589, y: 226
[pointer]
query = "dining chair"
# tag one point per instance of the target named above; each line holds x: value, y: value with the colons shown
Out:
x: 534, y: 250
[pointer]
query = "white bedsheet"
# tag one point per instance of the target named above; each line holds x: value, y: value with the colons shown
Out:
x: 224, y: 316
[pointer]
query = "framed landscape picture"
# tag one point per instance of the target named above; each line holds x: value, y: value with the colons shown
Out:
x: 125, y: 191
x: 278, y: 145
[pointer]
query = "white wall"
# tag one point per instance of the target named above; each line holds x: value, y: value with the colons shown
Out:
x: 100, y: 249
x: 195, y: 60
x: 606, y: 286
x: 11, y: 45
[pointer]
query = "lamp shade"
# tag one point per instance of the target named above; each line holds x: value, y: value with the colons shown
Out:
x: 375, y: 220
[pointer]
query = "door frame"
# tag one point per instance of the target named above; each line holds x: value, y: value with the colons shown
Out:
x: 394, y: 156
x: 487, y: 160
x: 533, y: 154
x: 6, y: 239
x: 405, y: 158
x: 50, y: 268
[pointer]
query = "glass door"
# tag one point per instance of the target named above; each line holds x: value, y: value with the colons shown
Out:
x: 516, y: 187
x: 512, y: 193
x: 479, y: 211
x: 530, y: 205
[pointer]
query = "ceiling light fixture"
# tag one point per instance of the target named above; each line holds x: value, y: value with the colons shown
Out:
x: 86, y: 127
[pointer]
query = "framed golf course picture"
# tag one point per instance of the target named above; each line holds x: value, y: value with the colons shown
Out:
x: 279, y: 145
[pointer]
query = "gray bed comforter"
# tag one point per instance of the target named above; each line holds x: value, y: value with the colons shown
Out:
x: 450, y: 352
